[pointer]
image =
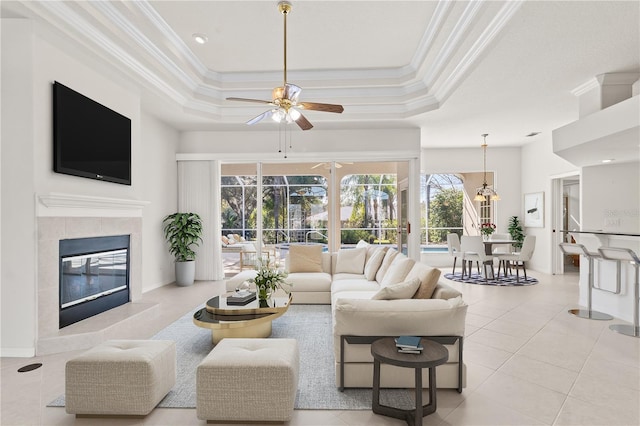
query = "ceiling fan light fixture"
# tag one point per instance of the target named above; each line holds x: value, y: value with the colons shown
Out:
x: 277, y: 93
x: 294, y: 114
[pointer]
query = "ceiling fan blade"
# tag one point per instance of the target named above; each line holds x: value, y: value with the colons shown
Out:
x: 266, y: 114
x: 250, y: 100
x: 317, y: 165
x: 304, y: 123
x: 315, y: 106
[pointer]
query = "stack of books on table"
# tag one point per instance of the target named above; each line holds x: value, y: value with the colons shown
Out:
x: 409, y: 344
x: 241, y: 298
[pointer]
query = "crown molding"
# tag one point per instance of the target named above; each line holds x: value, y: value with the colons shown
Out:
x: 399, y: 92
x: 482, y: 43
x: 585, y: 87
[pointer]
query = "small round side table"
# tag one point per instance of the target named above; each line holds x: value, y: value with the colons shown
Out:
x: 384, y: 351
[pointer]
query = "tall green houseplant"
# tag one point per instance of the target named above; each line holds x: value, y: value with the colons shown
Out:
x: 183, y: 231
x: 516, y: 232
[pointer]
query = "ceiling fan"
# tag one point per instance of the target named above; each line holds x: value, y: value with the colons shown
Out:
x: 285, y: 98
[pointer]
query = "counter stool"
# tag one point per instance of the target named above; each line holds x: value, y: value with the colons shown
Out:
x: 624, y: 254
x: 579, y: 249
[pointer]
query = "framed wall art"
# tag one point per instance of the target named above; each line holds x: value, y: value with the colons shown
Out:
x: 534, y: 210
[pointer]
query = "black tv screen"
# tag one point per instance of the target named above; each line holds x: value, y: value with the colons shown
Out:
x: 89, y: 139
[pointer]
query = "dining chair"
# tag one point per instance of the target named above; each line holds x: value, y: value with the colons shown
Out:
x: 518, y: 258
x: 501, y: 249
x: 473, y: 251
x: 453, y: 245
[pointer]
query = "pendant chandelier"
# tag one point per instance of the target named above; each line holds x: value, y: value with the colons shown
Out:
x: 485, y: 193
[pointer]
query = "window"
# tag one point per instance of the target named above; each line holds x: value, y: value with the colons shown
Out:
x: 368, y: 209
x: 442, y: 209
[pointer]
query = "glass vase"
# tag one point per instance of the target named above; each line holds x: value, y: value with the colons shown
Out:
x: 264, y: 296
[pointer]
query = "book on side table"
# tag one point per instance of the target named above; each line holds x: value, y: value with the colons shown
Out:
x: 409, y: 344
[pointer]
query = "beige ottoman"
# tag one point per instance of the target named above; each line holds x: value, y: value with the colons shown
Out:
x: 120, y: 377
x: 250, y: 380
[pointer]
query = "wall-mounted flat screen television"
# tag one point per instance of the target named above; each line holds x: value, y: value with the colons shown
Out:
x: 89, y: 139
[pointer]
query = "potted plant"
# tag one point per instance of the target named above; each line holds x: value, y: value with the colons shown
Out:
x: 182, y: 231
x: 516, y: 232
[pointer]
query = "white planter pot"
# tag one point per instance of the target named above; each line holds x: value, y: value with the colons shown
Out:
x: 185, y: 273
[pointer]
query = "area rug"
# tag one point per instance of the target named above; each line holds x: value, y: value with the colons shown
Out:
x: 311, y: 326
x: 509, y: 280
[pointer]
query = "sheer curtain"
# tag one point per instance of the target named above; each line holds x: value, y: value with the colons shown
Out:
x: 199, y: 192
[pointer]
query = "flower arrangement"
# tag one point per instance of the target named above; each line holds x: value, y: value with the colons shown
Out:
x: 487, y: 228
x: 268, y: 280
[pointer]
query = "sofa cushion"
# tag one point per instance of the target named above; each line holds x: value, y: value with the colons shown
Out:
x: 345, y: 276
x: 354, y: 284
x: 397, y: 271
x: 351, y: 261
x: 372, y: 265
x: 403, y: 290
x: 389, y: 256
x: 303, y: 258
x: 309, y: 281
x: 446, y: 292
x: 428, y: 279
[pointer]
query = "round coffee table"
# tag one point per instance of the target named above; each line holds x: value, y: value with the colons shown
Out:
x: 250, y: 320
x: 385, y: 351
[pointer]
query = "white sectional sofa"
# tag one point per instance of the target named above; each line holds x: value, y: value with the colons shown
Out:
x: 376, y: 292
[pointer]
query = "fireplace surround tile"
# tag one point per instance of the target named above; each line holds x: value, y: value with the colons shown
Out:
x: 50, y: 231
x: 83, y: 227
x: 48, y: 264
x: 51, y: 228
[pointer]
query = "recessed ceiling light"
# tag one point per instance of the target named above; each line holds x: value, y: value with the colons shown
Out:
x: 608, y: 160
x: 533, y: 134
x: 200, y: 38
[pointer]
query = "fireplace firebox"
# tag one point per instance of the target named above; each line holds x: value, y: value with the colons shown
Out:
x: 94, y: 276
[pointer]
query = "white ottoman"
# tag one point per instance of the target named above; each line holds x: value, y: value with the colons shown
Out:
x: 252, y: 380
x: 120, y: 377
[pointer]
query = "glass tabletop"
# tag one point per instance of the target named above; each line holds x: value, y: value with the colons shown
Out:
x: 220, y: 305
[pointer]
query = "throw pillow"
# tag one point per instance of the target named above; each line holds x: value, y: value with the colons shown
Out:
x: 351, y: 261
x: 428, y: 280
x: 397, y: 271
x: 403, y: 290
x: 386, y: 262
x: 373, y: 264
x: 225, y: 240
x: 303, y: 258
x: 362, y: 243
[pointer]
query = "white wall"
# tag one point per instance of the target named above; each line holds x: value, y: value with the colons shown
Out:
x: 31, y: 61
x: 317, y: 145
x: 18, y: 291
x: 539, y: 164
x: 612, y: 200
x: 159, y: 143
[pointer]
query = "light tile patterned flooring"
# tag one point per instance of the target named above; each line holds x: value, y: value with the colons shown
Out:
x: 529, y: 363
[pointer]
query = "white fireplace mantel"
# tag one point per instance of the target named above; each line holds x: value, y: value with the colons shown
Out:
x: 56, y: 204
